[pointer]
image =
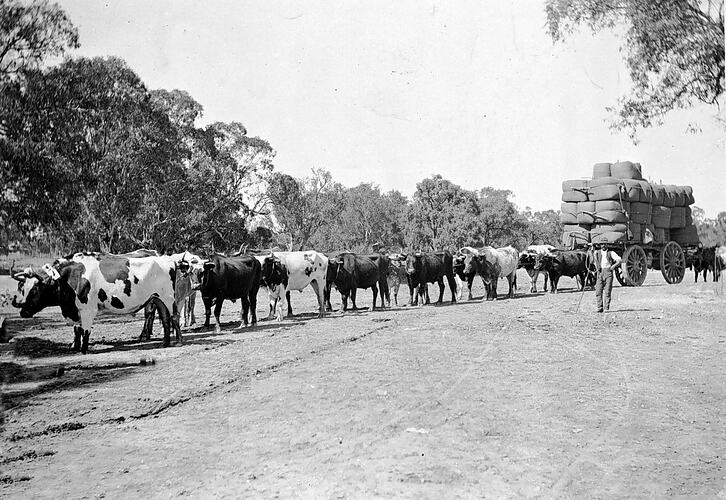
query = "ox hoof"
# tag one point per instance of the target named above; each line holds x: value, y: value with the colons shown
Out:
x: 217, y: 330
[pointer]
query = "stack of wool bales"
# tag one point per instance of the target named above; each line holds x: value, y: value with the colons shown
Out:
x: 672, y: 218
x: 575, y: 213
x: 617, y: 205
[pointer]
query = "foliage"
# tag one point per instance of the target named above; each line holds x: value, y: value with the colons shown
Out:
x: 542, y: 228
x: 441, y: 216
x: 303, y: 207
x: 674, y: 51
x: 31, y: 32
x: 710, y: 231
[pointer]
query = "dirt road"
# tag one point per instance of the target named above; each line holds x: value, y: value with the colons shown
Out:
x: 518, y: 398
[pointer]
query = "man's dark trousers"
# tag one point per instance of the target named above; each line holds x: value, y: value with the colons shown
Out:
x: 603, y: 289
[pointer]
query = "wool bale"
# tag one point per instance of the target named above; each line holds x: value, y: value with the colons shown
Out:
x: 568, y: 208
x: 578, y: 184
x: 573, y: 196
x: 625, y: 170
x: 678, y: 218
x: 603, y: 205
x: 610, y: 237
x: 601, y: 170
x: 640, y: 213
x: 688, y: 190
x: 568, y: 218
x: 586, y: 218
x: 661, y: 216
x: 680, y: 196
x: 607, y: 192
x: 607, y: 228
x: 658, y: 194
x: 647, y: 194
x: 635, y: 232
x: 689, y: 217
x: 604, y: 181
x: 585, y: 212
x: 574, y: 235
x: 686, y: 236
x: 633, y: 190
x: 610, y: 216
x: 669, y: 198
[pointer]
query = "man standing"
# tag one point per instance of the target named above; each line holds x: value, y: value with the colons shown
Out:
x: 606, y: 261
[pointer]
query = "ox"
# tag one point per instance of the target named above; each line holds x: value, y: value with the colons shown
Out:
x: 572, y: 263
x: 705, y: 261
x: 394, y: 277
x: 87, y: 284
x: 286, y: 271
x: 229, y: 278
x: 462, y: 277
x: 528, y: 259
x: 349, y: 272
x: 184, y: 294
x: 425, y: 268
x: 492, y: 264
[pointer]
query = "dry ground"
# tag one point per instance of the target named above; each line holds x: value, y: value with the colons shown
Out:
x: 524, y: 397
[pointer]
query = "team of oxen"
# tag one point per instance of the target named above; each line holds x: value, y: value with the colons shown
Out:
x: 84, y: 284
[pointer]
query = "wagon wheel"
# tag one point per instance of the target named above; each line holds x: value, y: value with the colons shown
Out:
x: 673, y: 263
x: 634, y: 268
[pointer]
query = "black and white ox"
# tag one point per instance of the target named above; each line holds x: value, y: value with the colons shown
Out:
x: 286, y: 271
x: 85, y: 285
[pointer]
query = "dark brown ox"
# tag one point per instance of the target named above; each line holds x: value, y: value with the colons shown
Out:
x: 425, y: 268
x: 349, y: 272
x: 230, y: 278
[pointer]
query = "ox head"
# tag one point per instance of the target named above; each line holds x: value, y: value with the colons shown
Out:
x: 473, y: 260
x: 189, y: 266
x: 544, y: 262
x: 336, y: 268
x: 36, y: 290
x: 527, y: 259
x: 414, y: 263
x: 273, y: 271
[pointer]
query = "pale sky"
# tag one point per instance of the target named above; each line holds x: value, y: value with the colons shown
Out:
x: 393, y: 92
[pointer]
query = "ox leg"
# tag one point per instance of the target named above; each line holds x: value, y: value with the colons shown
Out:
x: 469, y: 284
x: 189, y: 304
x: 440, y: 282
x: 423, y: 293
x: 374, y: 289
x: 512, y: 285
x: 289, y: 303
x: 166, y: 319
x: 320, y: 294
x: 452, y: 285
x: 395, y: 294
x: 77, y: 334
x: 208, y: 301
x: 554, y: 279
x: 217, y: 312
x: 353, y: 294
x: 533, y: 275
x: 253, y: 304
x: 244, y: 311
x: 326, y: 295
x: 176, y: 318
x: 411, y: 289
x: 546, y: 277
x: 344, y: 300
x: 149, y: 316
x: 86, y: 323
